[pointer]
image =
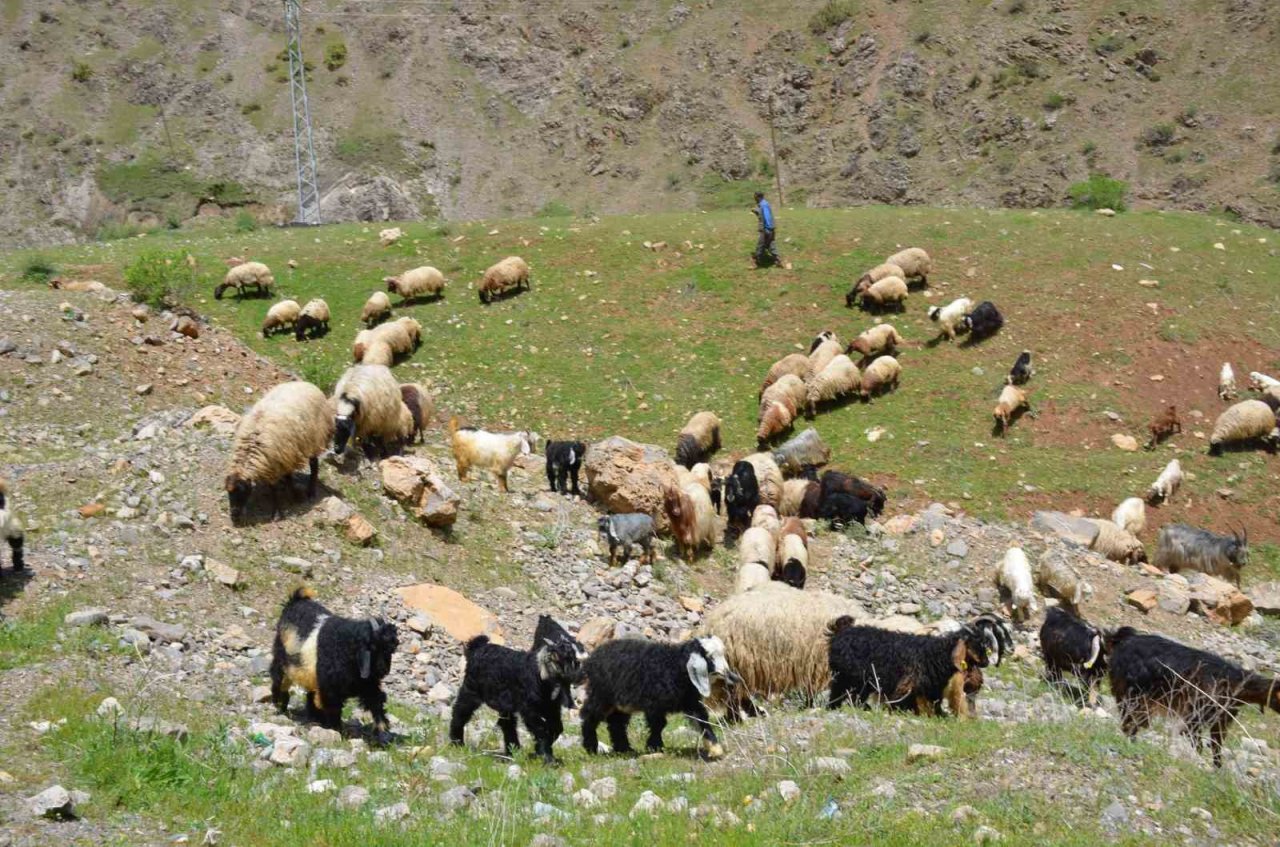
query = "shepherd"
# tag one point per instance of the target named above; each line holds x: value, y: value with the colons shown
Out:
x: 765, y: 254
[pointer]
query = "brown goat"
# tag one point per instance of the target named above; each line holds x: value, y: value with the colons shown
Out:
x: 1163, y: 425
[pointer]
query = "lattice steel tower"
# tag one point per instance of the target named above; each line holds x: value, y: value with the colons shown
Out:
x: 304, y: 151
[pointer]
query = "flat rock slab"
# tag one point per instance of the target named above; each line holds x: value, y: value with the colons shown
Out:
x: 451, y: 611
x: 1076, y: 530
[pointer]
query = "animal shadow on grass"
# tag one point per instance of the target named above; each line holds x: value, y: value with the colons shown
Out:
x: 286, y: 499
x: 971, y: 340
x: 998, y: 431
x: 12, y: 583
x: 506, y: 294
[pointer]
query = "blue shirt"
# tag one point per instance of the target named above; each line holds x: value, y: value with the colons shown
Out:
x: 766, y: 214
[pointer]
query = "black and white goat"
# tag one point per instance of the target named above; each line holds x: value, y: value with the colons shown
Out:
x: 564, y: 459
x: 985, y: 320
x: 11, y: 530
x: 633, y: 675
x: 1021, y: 371
x: 1072, y: 645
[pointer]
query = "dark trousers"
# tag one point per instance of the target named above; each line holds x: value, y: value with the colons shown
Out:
x: 765, y: 253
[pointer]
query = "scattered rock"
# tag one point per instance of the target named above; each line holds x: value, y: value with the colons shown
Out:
x: 624, y: 476
x: 187, y: 326
x: 418, y: 484
x: 320, y: 786
x: 986, y: 835
x: 290, y: 752
x: 1232, y: 610
x: 585, y: 798
x: 54, y: 802
x: 1106, y: 213
x: 109, y: 708
x: 1125, y: 442
x: 925, y: 753
x: 353, y: 796
x: 1143, y: 599
x: 596, y: 631
x: 958, y: 549
x: 391, y: 814
x: 87, y: 617
x: 91, y: 510
x: 452, y: 612
x: 606, y: 788
x: 829, y: 764
x: 1068, y: 527
x: 788, y: 791
x: 360, y: 531
x: 458, y: 797
x: 224, y: 574
x: 1115, y: 815
x: 220, y: 419
x: 648, y: 804
x: 1266, y: 597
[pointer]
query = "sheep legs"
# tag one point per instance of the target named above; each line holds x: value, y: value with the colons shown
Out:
x: 325, y: 714
x: 510, y: 738
x: 540, y: 731
x: 463, y: 708
x: 698, y: 716
x: 376, y: 702
x: 618, y: 723
x: 314, y: 479
x: 15, y: 548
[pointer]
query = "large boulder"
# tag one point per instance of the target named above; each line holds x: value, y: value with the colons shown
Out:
x: 451, y: 611
x: 625, y: 476
x: 418, y: 484
x: 357, y: 197
x: 1081, y: 531
x: 1266, y: 597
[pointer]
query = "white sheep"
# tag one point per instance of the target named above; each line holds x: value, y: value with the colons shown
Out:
x: 1260, y: 381
x: 1057, y: 578
x: 425, y: 281
x: 1014, y: 577
x: 1227, y: 382
x: 881, y: 375
x: 757, y: 545
x: 1117, y: 543
x: 950, y: 316
x: 390, y: 236
x: 1245, y: 421
x: 820, y: 355
x: 879, y: 272
x: 1011, y: 400
x: 796, y: 364
x: 766, y: 517
x: 495, y: 452
x: 915, y: 264
x: 313, y: 320
x: 793, y: 494
x: 789, y: 390
x: 282, y: 314
x: 1131, y: 515
x: 11, y: 529
x: 775, y: 419
x: 890, y: 291
x: 511, y: 272
x: 839, y: 379
x: 699, y: 473
x: 377, y: 308
x: 400, y: 337
x: 881, y: 338
x: 242, y: 276
x: 768, y: 477
x: 750, y: 575
x: 1166, y: 485
x: 367, y: 406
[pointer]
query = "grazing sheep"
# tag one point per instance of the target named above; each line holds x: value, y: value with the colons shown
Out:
x: 425, y: 281
x: 1117, y: 544
x: 564, y: 459
x: 313, y: 321
x: 795, y: 364
x: 1131, y: 515
x: 879, y: 272
x: 1014, y: 578
x: 1262, y: 382
x: 758, y: 545
x: 880, y: 339
x: 825, y: 348
x: 821, y: 338
x: 915, y: 264
x: 768, y: 477
x: 1072, y: 645
x: 11, y: 529
x: 950, y: 316
x: 806, y: 451
x: 837, y: 481
x: 383, y: 344
x: 751, y: 575
x: 793, y: 496
x: 880, y: 376
x: 698, y: 440
x: 1248, y: 420
x: 984, y: 321
x: 621, y: 531
x: 333, y: 659
x: 906, y: 671
x: 1057, y: 578
x: 1022, y: 371
x: 1166, y: 485
x: 390, y: 236
x: 241, y: 276
x: 1227, y: 382
x: 420, y: 404
x: 376, y: 309
x: 1152, y: 674
x: 890, y: 291
x: 699, y: 473
x: 367, y: 405
x: 789, y: 390
x: 282, y: 314
x: 532, y: 684
x: 1187, y: 548
x: 1164, y: 425
x: 632, y: 675
x: 494, y: 452
x: 792, y: 563
x: 511, y: 272
x: 840, y: 509
x: 285, y: 430
x: 1011, y: 400
x: 692, y: 517
x: 766, y: 517
x: 775, y: 419
x: 839, y: 379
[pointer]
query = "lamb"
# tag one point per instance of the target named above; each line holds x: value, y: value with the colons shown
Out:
x: 757, y: 545
x: 1012, y: 400
x: 1117, y: 544
x: 793, y: 554
x: 1247, y: 420
x: 288, y: 428
x: 806, y: 450
x: 1151, y: 674
x: 1014, y: 579
x: 631, y: 675
x: 1070, y: 644
x: 693, y: 520
x: 880, y: 339
x: 699, y: 439
x: 915, y: 264
x: 795, y: 364
x: 495, y: 452
x: 621, y: 531
x: 950, y: 316
x: 241, y: 276
x: 880, y: 376
x: 390, y: 236
x: 11, y: 529
x: 1057, y: 578
x: 367, y: 405
x: 511, y: 272
x: 789, y: 390
x: 840, y: 509
x: 751, y: 575
x: 1131, y: 515
x: 1164, y: 425
x: 916, y: 672
x: 532, y: 684
x: 333, y: 659
x: 1022, y: 371
x: 421, y: 406
x: 313, y: 321
x: 1186, y: 548
x: 282, y: 314
x: 824, y: 348
x: 836, y: 481
x: 879, y: 272
x: 425, y: 281
x: 564, y: 459
x: 838, y: 380
x: 1166, y: 485
x: 890, y: 291
x: 984, y: 321
x: 1227, y: 382
x: 376, y: 309
x: 775, y: 419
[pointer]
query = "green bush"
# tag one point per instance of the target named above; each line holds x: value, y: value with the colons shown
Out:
x: 1109, y: 43
x: 245, y: 222
x: 335, y: 55
x: 1089, y: 148
x: 555, y: 209
x: 1160, y: 135
x: 1273, y: 175
x: 1099, y: 192
x: 81, y: 72
x: 831, y: 15
x: 1054, y: 102
x: 153, y: 278
x: 39, y: 269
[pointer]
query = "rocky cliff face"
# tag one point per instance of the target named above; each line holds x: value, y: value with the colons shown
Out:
x: 144, y: 114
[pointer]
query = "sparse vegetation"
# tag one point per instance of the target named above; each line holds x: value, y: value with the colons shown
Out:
x: 1054, y: 101
x: 335, y: 55
x: 1088, y: 149
x: 831, y: 15
x: 555, y: 209
x: 154, y: 278
x: 1108, y: 44
x: 250, y: 108
x: 245, y: 221
x: 1099, y: 192
x: 368, y: 146
x: 81, y: 72
x: 1273, y: 173
x: 1158, y: 136
x: 39, y: 269
x: 1016, y: 7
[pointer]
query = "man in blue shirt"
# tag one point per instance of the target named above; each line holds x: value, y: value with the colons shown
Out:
x: 765, y: 254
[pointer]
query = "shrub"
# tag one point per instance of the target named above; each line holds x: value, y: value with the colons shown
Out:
x: 831, y: 15
x: 1160, y: 135
x: 81, y: 72
x: 250, y: 108
x: 1089, y: 148
x: 555, y: 209
x: 1054, y: 102
x: 245, y: 222
x: 1099, y: 192
x: 1108, y: 44
x: 39, y: 269
x: 153, y: 277
x: 335, y: 55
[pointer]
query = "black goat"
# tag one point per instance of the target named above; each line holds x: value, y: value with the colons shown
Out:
x: 333, y: 659
x: 916, y: 672
x: 985, y: 320
x: 11, y: 530
x: 1021, y: 371
x: 633, y: 675
x: 840, y: 509
x: 532, y: 684
x: 741, y: 494
x: 564, y: 458
x: 1153, y: 674
x: 835, y: 481
x: 1071, y: 645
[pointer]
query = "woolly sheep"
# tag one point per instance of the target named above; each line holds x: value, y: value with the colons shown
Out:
x: 775, y: 419
x: 390, y: 236
x: 495, y: 452
x: 837, y: 380
x: 1227, y: 382
x: 313, y: 321
x: 1131, y: 515
x: 793, y: 553
x: 881, y: 338
x: 768, y: 477
x: 1014, y: 577
x: 367, y: 406
x: 242, y: 276
x: 789, y: 390
x: 793, y: 493
x: 692, y: 518
x: 820, y: 355
x: 425, y: 281
x: 699, y: 474
x: 1117, y: 544
x: 1245, y: 421
x: 511, y: 272
x: 950, y: 316
x: 377, y: 308
x: 1166, y: 485
x: 699, y: 439
x: 1057, y: 578
x: 1011, y: 400
x: 890, y: 291
x: 796, y: 364
x: 758, y: 545
x: 915, y: 264
x: 1261, y: 382
x: 766, y: 517
x: 282, y: 314
x: 402, y: 336
x: 421, y: 406
x: 881, y: 375
x: 285, y: 430
x: 11, y: 529
x: 751, y: 575
x: 879, y: 272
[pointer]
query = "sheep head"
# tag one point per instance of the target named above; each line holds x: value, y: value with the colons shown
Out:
x: 344, y: 426
x: 238, y: 491
x: 707, y: 661
x: 392, y: 282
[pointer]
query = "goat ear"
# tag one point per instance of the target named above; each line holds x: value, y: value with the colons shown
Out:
x: 992, y: 643
x: 366, y: 663
x: 699, y: 674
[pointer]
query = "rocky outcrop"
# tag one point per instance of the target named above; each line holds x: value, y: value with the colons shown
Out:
x: 360, y: 197
x: 624, y: 476
x: 416, y: 482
